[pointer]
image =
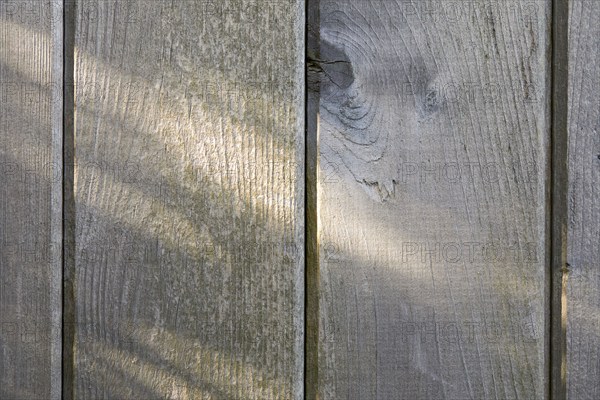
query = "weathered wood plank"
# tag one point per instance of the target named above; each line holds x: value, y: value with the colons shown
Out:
x: 189, y: 192
x: 583, y: 288
x: 433, y: 138
x: 30, y: 199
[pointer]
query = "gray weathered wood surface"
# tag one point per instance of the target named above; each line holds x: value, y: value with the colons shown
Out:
x: 583, y: 289
x: 30, y: 199
x: 433, y: 138
x: 189, y: 152
x: 427, y: 255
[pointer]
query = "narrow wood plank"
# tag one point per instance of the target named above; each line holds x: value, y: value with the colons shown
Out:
x: 30, y: 199
x: 583, y: 290
x: 189, y: 193
x: 433, y: 142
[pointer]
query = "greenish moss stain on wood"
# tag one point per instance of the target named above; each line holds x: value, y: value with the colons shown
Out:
x: 189, y: 200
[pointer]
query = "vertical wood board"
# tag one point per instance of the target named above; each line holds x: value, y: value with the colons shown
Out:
x: 583, y: 289
x: 189, y: 193
x: 433, y: 152
x: 30, y: 199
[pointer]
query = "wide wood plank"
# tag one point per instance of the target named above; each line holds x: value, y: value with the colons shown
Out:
x: 30, y: 199
x: 189, y: 152
x: 583, y: 288
x: 433, y: 136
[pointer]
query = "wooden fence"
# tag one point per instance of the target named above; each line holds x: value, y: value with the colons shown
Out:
x: 286, y: 199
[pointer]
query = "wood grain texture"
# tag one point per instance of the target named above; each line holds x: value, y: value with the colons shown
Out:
x: 583, y: 290
x: 433, y: 154
x: 30, y: 199
x: 189, y: 152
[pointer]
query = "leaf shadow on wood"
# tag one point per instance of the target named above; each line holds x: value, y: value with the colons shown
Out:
x: 410, y: 322
x: 174, y: 250
x: 415, y: 99
x: 199, y: 243
x: 25, y: 219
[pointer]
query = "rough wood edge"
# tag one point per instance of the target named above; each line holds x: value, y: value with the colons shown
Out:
x: 559, y: 198
x: 56, y: 202
x: 300, y: 272
x: 311, y: 365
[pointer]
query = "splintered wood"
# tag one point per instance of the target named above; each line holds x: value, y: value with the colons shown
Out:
x: 433, y: 138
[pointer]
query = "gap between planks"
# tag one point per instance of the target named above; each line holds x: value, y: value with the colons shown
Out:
x: 559, y: 199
